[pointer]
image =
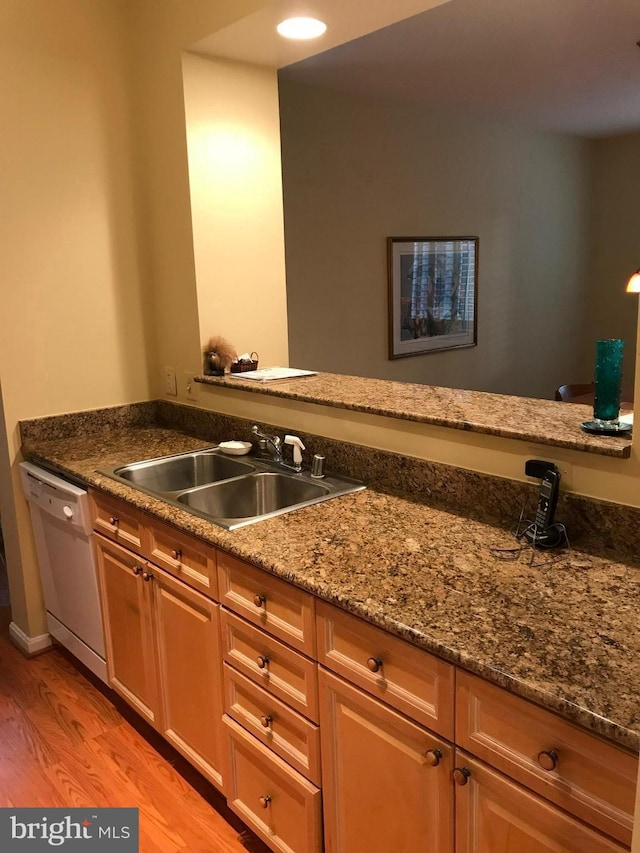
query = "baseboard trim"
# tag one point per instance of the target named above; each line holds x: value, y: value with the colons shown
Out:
x: 29, y: 646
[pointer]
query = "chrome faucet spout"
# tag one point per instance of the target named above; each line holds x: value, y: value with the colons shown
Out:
x: 272, y: 442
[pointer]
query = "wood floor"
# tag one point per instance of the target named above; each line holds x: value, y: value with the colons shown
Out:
x: 64, y: 742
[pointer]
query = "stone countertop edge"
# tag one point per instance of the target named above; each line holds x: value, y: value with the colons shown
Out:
x: 564, y: 635
x: 500, y: 415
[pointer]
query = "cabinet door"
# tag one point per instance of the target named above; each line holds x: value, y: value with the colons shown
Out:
x: 190, y: 668
x: 128, y: 627
x: 386, y: 781
x: 495, y: 815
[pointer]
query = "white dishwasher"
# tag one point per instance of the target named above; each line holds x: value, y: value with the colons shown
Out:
x: 62, y: 531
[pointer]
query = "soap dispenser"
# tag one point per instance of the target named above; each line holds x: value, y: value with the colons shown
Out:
x: 298, y: 447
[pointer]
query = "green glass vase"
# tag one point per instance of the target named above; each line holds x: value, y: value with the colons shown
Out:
x: 608, y: 385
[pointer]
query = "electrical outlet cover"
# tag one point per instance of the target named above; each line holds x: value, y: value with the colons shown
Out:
x: 170, y: 385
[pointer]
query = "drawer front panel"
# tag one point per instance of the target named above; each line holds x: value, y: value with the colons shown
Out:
x: 287, y: 733
x: 183, y: 556
x: 118, y: 521
x: 591, y: 779
x: 411, y: 680
x: 266, y: 601
x: 281, y: 806
x: 280, y: 670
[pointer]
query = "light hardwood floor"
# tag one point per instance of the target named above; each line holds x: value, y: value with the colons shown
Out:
x: 65, y: 742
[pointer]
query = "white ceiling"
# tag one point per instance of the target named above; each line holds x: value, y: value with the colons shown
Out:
x: 566, y: 65
x: 254, y: 38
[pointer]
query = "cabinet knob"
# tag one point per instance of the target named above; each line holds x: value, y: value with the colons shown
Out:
x: 374, y: 664
x: 434, y: 757
x: 263, y: 661
x: 461, y: 775
x: 264, y: 801
x: 266, y: 720
x: 114, y: 521
x: 176, y: 554
x: 147, y: 576
x: 259, y: 600
x: 137, y: 570
x: 548, y: 759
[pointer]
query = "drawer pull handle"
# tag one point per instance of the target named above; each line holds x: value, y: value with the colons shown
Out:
x: 259, y: 600
x: 137, y: 570
x: 548, y: 759
x: 461, y: 775
x: 147, y: 576
x: 374, y: 664
x: 114, y: 521
x: 266, y: 720
x: 434, y: 757
x: 176, y: 554
x: 263, y: 661
x: 264, y: 801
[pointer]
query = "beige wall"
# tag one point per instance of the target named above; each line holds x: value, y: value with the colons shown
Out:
x: 162, y: 31
x: 359, y: 169
x: 73, y: 317
x: 233, y: 138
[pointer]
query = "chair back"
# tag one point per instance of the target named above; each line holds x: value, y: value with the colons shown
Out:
x: 568, y: 393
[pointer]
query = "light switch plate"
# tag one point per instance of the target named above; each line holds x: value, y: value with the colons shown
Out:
x: 190, y: 387
x: 170, y: 385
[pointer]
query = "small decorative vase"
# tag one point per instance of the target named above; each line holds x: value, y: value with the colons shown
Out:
x: 608, y: 384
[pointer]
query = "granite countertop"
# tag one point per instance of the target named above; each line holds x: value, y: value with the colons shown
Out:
x: 522, y: 418
x: 565, y: 634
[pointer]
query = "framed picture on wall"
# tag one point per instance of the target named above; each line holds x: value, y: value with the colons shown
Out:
x: 433, y: 290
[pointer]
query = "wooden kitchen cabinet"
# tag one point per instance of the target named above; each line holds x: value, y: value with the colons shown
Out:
x: 118, y: 521
x: 190, y: 672
x: 386, y: 781
x: 279, y: 804
x: 163, y: 654
x: 413, y: 681
x: 127, y: 610
x: 274, y: 605
x: 579, y: 772
x: 496, y: 815
x: 288, y: 675
x: 414, y: 755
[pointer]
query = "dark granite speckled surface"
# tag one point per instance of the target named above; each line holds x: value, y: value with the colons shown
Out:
x: 564, y: 634
x: 523, y: 418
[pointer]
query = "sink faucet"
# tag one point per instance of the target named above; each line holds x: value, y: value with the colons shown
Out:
x: 270, y: 442
x: 274, y: 444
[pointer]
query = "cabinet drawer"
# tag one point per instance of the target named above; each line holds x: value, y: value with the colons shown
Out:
x: 286, y: 674
x: 118, y: 521
x: 183, y: 556
x: 277, y: 606
x: 591, y: 779
x: 495, y: 815
x: 289, y: 735
x: 282, y: 807
x: 411, y: 680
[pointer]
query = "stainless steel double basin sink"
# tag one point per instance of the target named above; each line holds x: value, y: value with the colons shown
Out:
x: 230, y: 492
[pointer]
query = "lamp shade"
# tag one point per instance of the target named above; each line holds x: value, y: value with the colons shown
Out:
x: 633, y: 285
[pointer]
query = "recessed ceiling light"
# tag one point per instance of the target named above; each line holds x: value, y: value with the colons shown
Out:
x: 301, y: 28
